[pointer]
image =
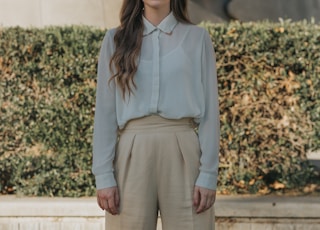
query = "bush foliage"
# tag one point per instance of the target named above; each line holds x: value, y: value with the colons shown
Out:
x: 269, y: 103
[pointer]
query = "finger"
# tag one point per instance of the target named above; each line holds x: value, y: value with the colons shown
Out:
x: 117, y: 199
x: 196, y: 197
x: 112, y: 205
x: 106, y: 206
x: 104, y: 203
x: 209, y: 203
x: 203, y: 203
x: 213, y: 199
x: 99, y: 203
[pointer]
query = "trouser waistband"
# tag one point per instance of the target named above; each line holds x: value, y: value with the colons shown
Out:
x: 155, y: 123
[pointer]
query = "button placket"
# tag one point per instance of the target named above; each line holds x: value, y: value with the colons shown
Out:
x: 155, y: 72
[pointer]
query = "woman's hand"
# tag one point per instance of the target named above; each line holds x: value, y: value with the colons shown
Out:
x: 109, y: 200
x: 203, y: 198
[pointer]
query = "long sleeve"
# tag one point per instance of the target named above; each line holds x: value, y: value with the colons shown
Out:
x: 209, y: 126
x: 105, y: 120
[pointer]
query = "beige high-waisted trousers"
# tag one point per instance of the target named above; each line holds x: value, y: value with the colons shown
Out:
x: 156, y: 166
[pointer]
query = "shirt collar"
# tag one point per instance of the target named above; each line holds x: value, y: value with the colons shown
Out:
x: 166, y: 25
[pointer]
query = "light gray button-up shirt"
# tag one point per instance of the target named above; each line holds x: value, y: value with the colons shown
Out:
x: 176, y: 78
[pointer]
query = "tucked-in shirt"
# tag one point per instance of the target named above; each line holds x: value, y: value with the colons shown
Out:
x: 176, y: 78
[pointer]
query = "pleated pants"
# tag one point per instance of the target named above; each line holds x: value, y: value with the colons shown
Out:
x: 156, y: 166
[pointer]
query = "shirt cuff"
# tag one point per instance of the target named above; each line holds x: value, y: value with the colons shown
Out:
x: 207, y: 180
x: 105, y: 181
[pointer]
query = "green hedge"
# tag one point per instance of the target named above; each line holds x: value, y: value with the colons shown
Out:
x: 269, y: 101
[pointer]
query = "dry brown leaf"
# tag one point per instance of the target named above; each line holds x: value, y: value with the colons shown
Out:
x: 310, y: 188
x: 252, y: 181
x: 277, y: 185
x: 264, y: 191
x: 279, y: 30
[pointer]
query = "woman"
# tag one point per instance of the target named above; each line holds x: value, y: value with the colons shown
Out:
x: 156, y: 79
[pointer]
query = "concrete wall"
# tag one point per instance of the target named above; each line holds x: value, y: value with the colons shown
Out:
x: 99, y: 13
x: 252, y: 10
x: 232, y: 213
x: 105, y: 13
x: 39, y: 13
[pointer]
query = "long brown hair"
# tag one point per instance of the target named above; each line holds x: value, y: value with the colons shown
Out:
x: 128, y: 40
